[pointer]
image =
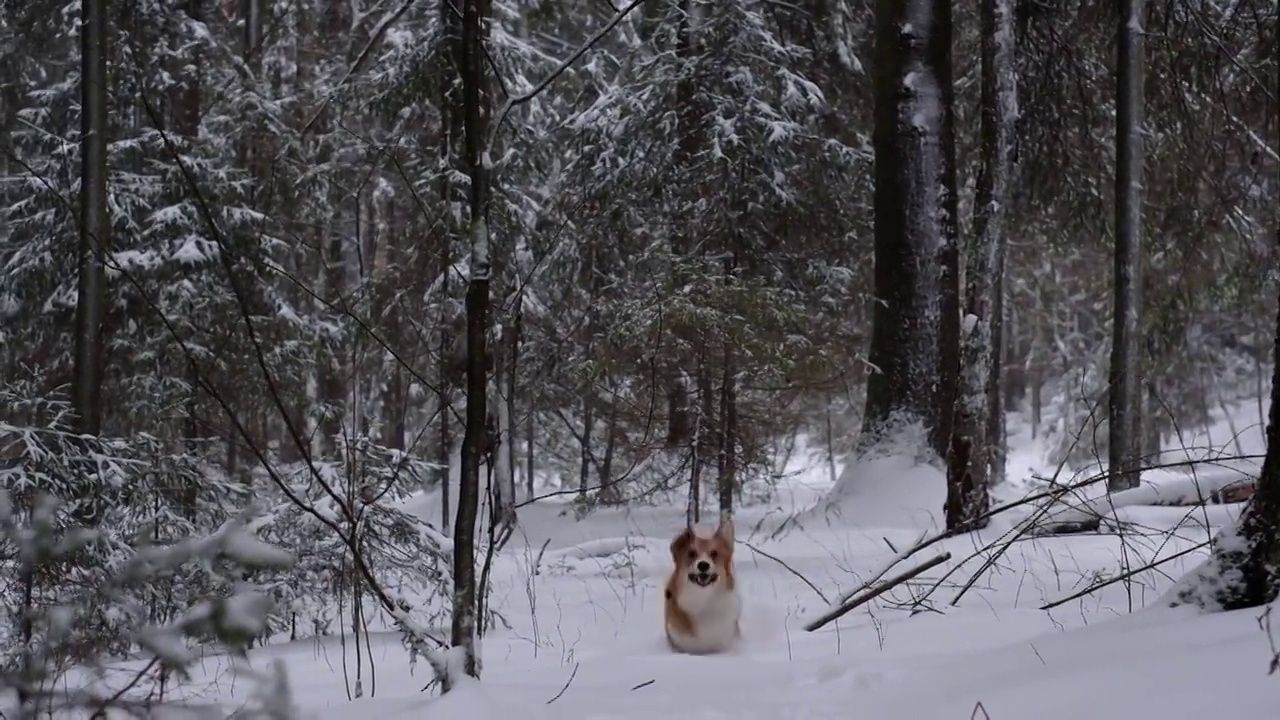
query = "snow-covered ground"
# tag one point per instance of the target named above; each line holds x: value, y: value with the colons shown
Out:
x: 586, y: 636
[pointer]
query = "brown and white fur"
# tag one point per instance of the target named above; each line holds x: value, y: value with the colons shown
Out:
x: 702, y: 605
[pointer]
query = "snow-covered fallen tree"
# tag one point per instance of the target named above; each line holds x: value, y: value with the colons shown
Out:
x: 1215, y: 485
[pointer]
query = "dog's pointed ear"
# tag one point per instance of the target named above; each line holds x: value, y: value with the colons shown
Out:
x: 681, y: 543
x: 725, y: 531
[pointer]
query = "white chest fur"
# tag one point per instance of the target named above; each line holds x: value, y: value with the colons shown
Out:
x: 714, y: 613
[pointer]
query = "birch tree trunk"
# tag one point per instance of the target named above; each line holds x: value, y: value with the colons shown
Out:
x: 1125, y: 397
x: 504, y: 488
x: 972, y: 456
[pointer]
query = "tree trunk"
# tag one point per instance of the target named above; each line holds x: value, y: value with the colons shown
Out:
x: 997, y: 422
x: 1125, y: 396
x: 504, y: 495
x: 1243, y: 570
x: 475, y: 120
x: 609, y: 491
x: 584, y: 470
x: 530, y: 426
x: 1036, y: 364
x: 727, y: 479
x: 727, y: 482
x: 938, y: 56
x: 976, y: 434
x: 912, y: 321
x: 95, y: 223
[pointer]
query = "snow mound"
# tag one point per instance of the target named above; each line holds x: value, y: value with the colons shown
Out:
x: 897, y: 490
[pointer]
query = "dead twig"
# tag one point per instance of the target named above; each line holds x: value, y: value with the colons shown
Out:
x: 1124, y: 576
x: 537, y: 562
x: 876, y: 592
x: 788, y: 568
x: 1264, y: 622
x: 567, y: 683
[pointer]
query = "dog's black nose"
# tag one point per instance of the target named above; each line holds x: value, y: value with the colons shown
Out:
x: 704, y: 566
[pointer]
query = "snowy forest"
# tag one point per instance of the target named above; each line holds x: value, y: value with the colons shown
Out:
x: 317, y: 316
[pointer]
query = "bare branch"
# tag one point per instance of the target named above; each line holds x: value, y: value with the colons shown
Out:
x: 518, y: 100
x: 876, y: 592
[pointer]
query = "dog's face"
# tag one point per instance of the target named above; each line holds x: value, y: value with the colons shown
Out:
x: 704, y: 559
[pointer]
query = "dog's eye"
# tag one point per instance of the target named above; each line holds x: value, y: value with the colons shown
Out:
x: 692, y: 555
x: 714, y: 554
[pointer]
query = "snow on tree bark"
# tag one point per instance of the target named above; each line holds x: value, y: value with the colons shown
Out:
x: 504, y: 483
x: 972, y: 455
x: 1125, y: 396
x: 913, y: 171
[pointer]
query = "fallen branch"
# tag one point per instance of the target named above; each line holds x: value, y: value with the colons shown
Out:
x: 876, y: 592
x: 920, y: 544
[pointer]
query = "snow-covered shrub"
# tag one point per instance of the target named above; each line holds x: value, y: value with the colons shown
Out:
x: 349, y: 503
x: 109, y: 546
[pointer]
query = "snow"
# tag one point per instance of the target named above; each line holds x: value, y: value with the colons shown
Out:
x: 584, y: 604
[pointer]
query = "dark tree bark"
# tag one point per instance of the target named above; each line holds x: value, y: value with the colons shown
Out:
x: 1243, y: 570
x: 475, y: 100
x: 914, y: 322
x: 585, y: 454
x: 727, y: 482
x: 1125, y: 396
x: 977, y: 432
x: 610, y: 491
x: 95, y: 223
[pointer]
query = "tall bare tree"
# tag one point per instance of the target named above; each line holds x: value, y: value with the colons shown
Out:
x: 913, y: 321
x: 1125, y: 396
x: 974, y: 439
x: 476, y: 110
x: 95, y: 223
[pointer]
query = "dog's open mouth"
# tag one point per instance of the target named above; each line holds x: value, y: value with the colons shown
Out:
x: 703, y: 579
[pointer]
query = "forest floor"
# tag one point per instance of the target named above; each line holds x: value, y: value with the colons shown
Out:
x: 586, y: 639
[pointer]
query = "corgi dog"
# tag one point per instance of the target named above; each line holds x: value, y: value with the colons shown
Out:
x: 702, y: 606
